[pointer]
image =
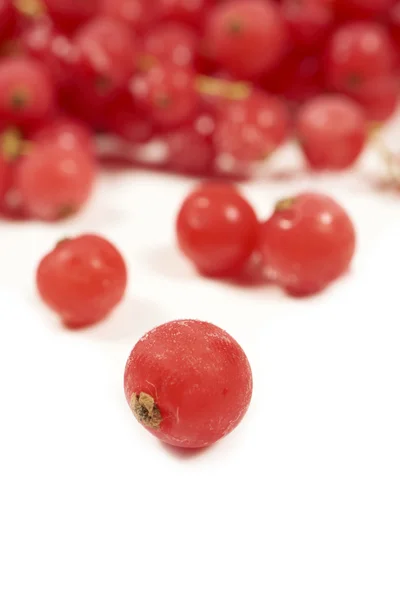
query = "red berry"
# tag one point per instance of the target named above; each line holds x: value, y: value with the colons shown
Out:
x: 191, y: 12
x: 217, y: 229
x: 246, y: 37
x: 308, y: 21
x: 82, y: 280
x: 189, y: 383
x: 53, y: 49
x: 7, y: 18
x: 26, y: 92
x: 394, y: 24
x: 167, y: 93
x: 298, y: 77
x: 124, y: 118
x: 307, y: 243
x: 357, y: 54
x: 171, y: 42
x: 68, y: 14
x: 137, y: 14
x: 54, y: 182
x: 379, y: 98
x: 66, y: 133
x: 107, y: 54
x: 250, y: 130
x: 190, y: 151
x: 332, y: 131
x: 360, y: 9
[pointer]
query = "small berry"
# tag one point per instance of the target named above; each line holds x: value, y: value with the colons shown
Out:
x: 167, y: 94
x: 308, y: 21
x: 217, y: 230
x: 332, y: 131
x: 307, y: 243
x: 171, y: 42
x: 82, y: 280
x: 250, y: 130
x: 68, y: 14
x: 357, y: 54
x: 246, y: 37
x: 188, y: 383
x: 53, y: 182
x: 107, y: 53
x: 67, y: 133
x: 137, y: 14
x: 26, y: 91
x: 190, y: 12
x: 188, y: 151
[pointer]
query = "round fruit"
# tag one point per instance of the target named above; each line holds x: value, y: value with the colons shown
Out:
x: 332, y: 131
x: 82, y: 280
x: 217, y: 229
x: 189, y: 383
x: 70, y: 13
x: 26, y: 92
x: 54, y: 182
x: 307, y: 243
x: 246, y: 37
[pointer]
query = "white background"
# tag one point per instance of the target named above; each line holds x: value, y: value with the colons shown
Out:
x: 302, y: 501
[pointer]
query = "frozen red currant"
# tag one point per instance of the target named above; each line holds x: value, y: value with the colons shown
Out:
x: 217, y: 229
x: 358, y: 53
x: 67, y: 133
x: 332, y: 131
x: 26, y: 91
x: 107, y: 52
x: 82, y: 280
x: 307, y: 243
x: 249, y: 130
x: 68, y: 14
x: 189, y: 383
x: 246, y: 37
x: 137, y: 14
x: 309, y: 21
x: 171, y: 42
x: 167, y: 94
x: 55, y: 182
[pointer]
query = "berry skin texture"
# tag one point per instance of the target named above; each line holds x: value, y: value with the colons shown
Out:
x: 250, y: 130
x: 332, y: 131
x: 82, y: 280
x: 217, y: 230
x: 70, y: 13
x: 246, y: 37
x: 26, y: 92
x: 308, y: 21
x: 171, y: 42
x: 67, y: 134
x: 189, y: 383
x: 53, y: 182
x: 307, y: 243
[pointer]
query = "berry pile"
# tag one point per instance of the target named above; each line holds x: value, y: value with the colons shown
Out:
x: 219, y: 84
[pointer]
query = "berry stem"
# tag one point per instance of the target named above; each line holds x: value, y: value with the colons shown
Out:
x: 212, y: 86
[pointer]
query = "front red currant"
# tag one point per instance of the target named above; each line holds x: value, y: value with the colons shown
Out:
x: 189, y: 383
x: 82, y: 280
x: 307, y: 243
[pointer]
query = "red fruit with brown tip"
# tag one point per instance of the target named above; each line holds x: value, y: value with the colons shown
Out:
x: 189, y: 383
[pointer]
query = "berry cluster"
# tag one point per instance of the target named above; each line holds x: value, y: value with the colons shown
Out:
x: 220, y: 86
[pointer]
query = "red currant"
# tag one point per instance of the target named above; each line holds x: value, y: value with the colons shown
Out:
x: 107, y: 54
x: 189, y: 383
x: 26, y: 92
x: 7, y: 18
x: 307, y: 243
x: 168, y: 95
x: 309, y: 21
x: 191, y: 12
x: 171, y: 42
x: 189, y: 152
x: 250, y: 130
x: 55, y: 182
x: 332, y: 131
x: 66, y: 133
x: 53, y: 49
x: 217, y: 229
x: 360, y: 9
x: 297, y: 78
x: 124, y: 118
x: 137, y: 14
x: 82, y: 280
x: 379, y: 98
x: 357, y: 54
x: 246, y: 37
x: 68, y: 14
